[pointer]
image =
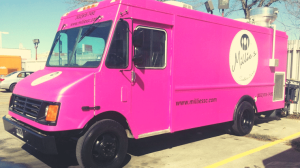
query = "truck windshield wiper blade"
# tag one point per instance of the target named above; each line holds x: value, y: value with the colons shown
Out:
x: 90, y: 29
x: 58, y: 37
x: 88, y: 32
x: 56, y: 40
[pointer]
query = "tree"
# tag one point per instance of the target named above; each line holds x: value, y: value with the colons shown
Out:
x: 246, y: 6
x: 288, y: 18
x: 292, y: 17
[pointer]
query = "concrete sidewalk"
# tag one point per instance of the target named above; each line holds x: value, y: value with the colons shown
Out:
x: 276, y: 156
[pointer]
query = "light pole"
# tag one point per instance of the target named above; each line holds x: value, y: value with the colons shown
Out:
x: 36, y: 43
x: 224, y: 4
x: 1, y: 37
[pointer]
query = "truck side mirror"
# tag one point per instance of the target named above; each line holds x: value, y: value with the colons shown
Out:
x: 138, y: 38
x: 138, y: 60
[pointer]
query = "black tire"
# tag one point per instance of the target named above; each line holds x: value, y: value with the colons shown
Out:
x: 104, y: 145
x: 244, y: 119
x: 12, y: 87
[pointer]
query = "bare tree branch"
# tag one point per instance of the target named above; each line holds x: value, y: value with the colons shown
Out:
x: 270, y: 2
x: 233, y: 8
x: 253, y: 3
x: 261, y: 3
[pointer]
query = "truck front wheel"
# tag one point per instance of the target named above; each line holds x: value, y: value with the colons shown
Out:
x: 103, y: 145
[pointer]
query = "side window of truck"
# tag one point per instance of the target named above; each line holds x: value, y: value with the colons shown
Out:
x: 153, y: 49
x: 117, y: 56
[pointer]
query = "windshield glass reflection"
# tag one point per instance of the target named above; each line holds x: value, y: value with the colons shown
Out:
x: 79, y: 47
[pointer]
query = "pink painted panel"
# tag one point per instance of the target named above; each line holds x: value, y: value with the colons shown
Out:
x: 77, y: 18
x: 73, y: 88
x: 205, y: 91
x: 151, y: 90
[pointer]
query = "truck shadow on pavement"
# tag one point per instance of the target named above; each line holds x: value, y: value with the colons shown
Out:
x: 288, y: 159
x: 138, y: 147
x: 65, y: 159
x: 4, y: 91
x: 259, y: 120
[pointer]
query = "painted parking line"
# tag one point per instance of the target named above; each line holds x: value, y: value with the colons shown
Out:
x: 252, y: 151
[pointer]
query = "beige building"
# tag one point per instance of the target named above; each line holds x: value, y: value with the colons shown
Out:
x: 43, y: 56
x: 24, y: 53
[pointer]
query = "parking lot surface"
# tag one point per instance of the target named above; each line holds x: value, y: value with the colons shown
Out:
x: 207, y: 146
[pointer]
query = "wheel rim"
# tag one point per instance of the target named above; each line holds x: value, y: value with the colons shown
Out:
x: 105, y: 148
x: 246, y: 121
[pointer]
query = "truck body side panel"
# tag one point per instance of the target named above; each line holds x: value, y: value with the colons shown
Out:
x: 72, y: 90
x: 204, y: 90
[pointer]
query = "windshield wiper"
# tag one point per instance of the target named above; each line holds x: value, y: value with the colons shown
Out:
x: 90, y: 29
x: 75, y: 46
x: 58, y: 37
x: 59, y: 33
x: 87, y: 32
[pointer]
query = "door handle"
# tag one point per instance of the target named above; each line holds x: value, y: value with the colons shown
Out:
x: 133, y: 76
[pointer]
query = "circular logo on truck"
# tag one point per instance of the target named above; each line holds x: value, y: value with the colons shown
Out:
x: 45, y: 78
x: 245, y: 42
x: 243, y: 57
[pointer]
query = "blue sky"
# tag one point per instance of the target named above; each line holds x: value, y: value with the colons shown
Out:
x: 26, y: 20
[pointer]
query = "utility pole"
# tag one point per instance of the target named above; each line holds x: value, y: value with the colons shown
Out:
x: 36, y: 44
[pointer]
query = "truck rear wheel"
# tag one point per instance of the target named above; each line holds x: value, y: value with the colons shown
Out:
x: 244, y: 119
x: 103, y: 145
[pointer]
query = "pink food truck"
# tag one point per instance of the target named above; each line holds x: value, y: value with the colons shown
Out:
x: 122, y: 69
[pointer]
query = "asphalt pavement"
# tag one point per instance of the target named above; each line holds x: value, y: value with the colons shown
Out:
x: 207, y: 146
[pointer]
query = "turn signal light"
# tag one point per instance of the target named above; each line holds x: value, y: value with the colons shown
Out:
x: 52, y: 113
x: 65, y: 14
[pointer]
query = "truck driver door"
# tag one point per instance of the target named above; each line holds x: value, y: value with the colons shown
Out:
x: 151, y: 87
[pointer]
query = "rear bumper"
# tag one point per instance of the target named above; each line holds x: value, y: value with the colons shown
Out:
x: 40, y: 141
x: 3, y: 86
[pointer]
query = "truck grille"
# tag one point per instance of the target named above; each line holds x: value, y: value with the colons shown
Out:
x: 26, y: 106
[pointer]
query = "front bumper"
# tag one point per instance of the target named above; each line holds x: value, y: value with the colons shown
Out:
x: 40, y: 141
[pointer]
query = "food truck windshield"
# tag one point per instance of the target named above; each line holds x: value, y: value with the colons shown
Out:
x: 80, y: 46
